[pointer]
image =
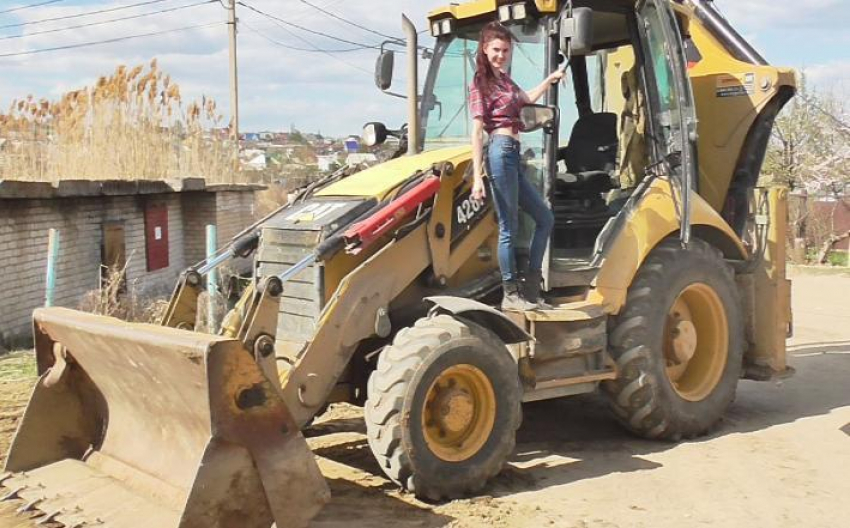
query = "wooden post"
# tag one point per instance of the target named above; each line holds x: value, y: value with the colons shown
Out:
x: 52, y: 263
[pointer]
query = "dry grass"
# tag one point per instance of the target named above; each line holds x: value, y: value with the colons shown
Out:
x: 270, y: 199
x: 130, y: 125
x: 117, y: 298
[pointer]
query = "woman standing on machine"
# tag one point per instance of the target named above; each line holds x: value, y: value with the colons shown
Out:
x: 495, y: 102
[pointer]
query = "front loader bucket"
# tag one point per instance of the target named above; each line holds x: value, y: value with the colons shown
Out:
x: 135, y: 425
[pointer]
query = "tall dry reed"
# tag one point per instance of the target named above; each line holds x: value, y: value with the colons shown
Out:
x: 131, y: 125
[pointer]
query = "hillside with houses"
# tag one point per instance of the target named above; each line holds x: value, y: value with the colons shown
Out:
x: 291, y: 157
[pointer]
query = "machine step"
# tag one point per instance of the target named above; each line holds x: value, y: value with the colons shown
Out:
x: 576, y: 311
x: 559, y: 388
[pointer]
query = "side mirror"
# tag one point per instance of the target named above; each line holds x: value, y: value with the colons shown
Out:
x: 577, y: 32
x: 384, y: 70
x: 535, y: 117
x: 374, y: 134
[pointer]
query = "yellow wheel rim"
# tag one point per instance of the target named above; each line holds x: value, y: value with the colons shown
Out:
x: 459, y: 413
x: 696, y: 342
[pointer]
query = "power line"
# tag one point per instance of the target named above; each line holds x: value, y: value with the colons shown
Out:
x: 349, y: 22
x: 106, y: 41
x: 296, y: 48
x: 110, y: 21
x: 308, y: 30
x: 315, y: 47
x: 37, y: 4
x: 78, y: 15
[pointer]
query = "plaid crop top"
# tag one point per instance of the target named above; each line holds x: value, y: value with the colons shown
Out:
x: 501, y: 107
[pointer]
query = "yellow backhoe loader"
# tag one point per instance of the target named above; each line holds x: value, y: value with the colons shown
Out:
x: 666, y: 272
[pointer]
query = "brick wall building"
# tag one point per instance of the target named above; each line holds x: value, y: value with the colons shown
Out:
x: 157, y: 228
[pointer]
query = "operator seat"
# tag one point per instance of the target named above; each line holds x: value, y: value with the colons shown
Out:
x: 591, y: 155
x: 591, y: 162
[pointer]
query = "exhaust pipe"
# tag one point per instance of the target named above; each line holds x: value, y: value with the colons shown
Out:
x: 412, y: 86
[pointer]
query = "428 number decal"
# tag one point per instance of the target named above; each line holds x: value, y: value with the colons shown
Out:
x: 467, y: 209
x: 468, y: 212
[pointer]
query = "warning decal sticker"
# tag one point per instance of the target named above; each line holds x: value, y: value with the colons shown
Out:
x: 739, y: 85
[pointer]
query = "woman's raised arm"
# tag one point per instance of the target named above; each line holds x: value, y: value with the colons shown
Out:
x: 537, y: 92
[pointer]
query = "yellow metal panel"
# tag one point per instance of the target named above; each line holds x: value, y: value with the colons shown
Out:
x: 377, y: 181
x: 467, y: 10
x: 484, y: 7
x: 546, y: 6
x: 730, y: 94
x: 616, y: 64
x: 772, y: 304
x: 652, y: 221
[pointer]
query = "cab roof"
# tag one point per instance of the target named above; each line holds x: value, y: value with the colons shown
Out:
x: 478, y: 8
x: 481, y: 8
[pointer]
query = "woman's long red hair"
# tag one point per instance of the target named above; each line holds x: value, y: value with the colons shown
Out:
x: 485, y: 76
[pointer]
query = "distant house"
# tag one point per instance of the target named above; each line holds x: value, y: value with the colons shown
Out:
x: 361, y: 158
x: 352, y: 144
x: 257, y: 162
x: 154, y: 228
x: 325, y: 161
x: 827, y: 205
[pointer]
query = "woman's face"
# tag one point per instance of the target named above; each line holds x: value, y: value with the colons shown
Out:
x: 498, y: 52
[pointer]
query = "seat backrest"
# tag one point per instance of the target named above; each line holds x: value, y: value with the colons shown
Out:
x: 593, y: 144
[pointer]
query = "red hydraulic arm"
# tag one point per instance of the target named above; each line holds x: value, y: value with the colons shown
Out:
x: 362, y: 234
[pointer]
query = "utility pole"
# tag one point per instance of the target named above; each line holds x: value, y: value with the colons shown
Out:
x: 234, y: 80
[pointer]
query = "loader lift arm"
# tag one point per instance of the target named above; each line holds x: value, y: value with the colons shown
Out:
x: 182, y: 309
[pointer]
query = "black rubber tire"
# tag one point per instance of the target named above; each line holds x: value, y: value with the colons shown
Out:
x: 643, y: 398
x: 396, y: 398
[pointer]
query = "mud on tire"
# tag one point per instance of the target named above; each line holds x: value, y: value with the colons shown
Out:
x: 397, y: 398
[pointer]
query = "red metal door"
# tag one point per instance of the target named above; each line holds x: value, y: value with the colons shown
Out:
x: 156, y: 236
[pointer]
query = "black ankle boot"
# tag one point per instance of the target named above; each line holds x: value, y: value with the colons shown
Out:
x: 531, y: 287
x: 513, y: 299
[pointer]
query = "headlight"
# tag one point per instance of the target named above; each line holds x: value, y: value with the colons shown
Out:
x: 442, y: 27
x: 446, y: 26
x: 510, y: 12
x: 504, y: 13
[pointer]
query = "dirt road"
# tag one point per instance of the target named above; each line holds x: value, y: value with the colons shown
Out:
x: 781, y: 458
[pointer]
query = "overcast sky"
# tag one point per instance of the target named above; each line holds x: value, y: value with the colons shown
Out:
x: 334, y: 94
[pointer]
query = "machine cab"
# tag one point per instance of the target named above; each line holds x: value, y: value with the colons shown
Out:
x: 624, y: 115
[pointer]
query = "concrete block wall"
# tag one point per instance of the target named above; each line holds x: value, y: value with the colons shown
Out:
x: 24, y: 226
x: 199, y: 210
x: 234, y: 211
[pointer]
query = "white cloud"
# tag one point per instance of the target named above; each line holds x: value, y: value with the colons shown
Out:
x: 312, y: 90
x: 277, y: 86
x: 832, y: 77
x: 773, y: 14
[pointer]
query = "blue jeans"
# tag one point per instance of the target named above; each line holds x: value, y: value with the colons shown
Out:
x: 512, y: 191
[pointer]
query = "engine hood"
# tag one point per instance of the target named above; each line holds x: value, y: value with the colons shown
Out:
x: 377, y: 181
